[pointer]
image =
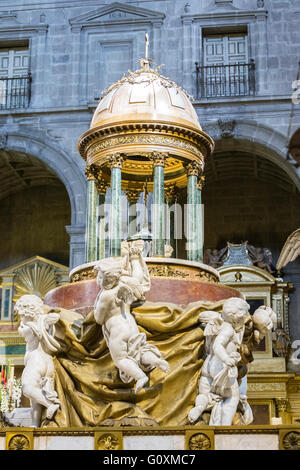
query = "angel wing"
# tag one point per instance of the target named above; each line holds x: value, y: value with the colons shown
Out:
x: 213, y: 322
x: 290, y: 250
x: 252, y: 251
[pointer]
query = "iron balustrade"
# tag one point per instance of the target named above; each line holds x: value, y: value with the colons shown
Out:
x: 217, y: 81
x: 15, y: 92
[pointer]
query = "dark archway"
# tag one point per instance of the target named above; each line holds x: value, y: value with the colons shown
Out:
x: 248, y: 197
x: 34, y: 210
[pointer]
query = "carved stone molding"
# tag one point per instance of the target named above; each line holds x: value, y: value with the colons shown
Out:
x: 84, y: 275
x: 97, y: 141
x: 166, y: 271
x: 227, y: 127
x: 266, y: 387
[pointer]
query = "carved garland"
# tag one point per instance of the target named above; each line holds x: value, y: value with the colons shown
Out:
x: 142, y: 139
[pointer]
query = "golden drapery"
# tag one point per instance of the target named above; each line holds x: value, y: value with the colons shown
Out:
x: 90, y: 389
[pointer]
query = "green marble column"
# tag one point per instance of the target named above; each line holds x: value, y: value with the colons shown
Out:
x: 200, y: 220
x: 115, y: 206
x: 170, y: 193
x: 91, y: 215
x: 192, y: 207
x: 101, y: 226
x: 132, y: 197
x: 158, y: 211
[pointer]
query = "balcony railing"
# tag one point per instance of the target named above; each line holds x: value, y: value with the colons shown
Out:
x: 15, y: 92
x: 217, y: 81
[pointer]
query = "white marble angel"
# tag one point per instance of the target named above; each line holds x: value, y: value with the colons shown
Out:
x: 38, y: 375
x: 218, y: 385
x: 124, y: 280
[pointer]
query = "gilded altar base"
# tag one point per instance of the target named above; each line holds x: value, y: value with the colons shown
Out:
x: 193, y: 438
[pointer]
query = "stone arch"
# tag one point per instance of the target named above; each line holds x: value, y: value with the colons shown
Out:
x: 67, y: 169
x: 252, y: 189
x: 46, y: 150
x: 261, y: 140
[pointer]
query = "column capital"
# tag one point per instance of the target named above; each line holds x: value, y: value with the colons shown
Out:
x: 91, y: 172
x: 194, y: 168
x: 158, y: 158
x: 201, y: 182
x: 102, y: 185
x: 116, y: 160
x: 133, y: 194
x: 171, y: 191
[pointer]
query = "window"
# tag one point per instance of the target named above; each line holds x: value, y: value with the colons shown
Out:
x: 14, y: 78
x: 226, y: 70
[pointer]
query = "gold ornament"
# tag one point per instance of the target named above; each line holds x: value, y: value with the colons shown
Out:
x: 108, y: 442
x: 291, y: 441
x: 199, y: 441
x: 19, y: 442
x: 91, y: 172
x: 116, y: 160
x: 158, y: 158
x: 193, y: 168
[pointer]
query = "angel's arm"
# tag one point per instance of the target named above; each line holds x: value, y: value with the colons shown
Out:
x: 139, y: 269
x: 101, y: 307
x: 220, y: 343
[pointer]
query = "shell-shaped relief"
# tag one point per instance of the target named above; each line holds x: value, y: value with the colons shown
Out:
x: 35, y: 279
x: 19, y: 442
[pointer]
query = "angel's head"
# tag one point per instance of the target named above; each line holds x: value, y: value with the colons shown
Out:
x: 264, y: 319
x: 29, y: 307
x: 235, y: 310
x: 109, y: 271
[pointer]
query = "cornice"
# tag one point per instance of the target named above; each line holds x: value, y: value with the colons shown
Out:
x: 39, y: 28
x: 213, y: 15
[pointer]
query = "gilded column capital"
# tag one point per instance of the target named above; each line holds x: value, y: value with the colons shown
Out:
x: 116, y: 160
x: 102, y: 186
x: 171, y: 192
x: 91, y: 172
x: 194, y: 168
x: 158, y: 158
x: 133, y: 195
x: 201, y: 182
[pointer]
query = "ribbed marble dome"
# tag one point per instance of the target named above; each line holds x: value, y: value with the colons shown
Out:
x: 145, y: 96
